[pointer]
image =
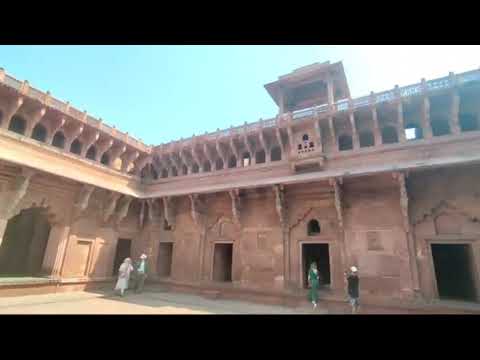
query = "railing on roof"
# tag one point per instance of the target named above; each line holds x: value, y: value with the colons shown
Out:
x: 75, y: 113
x: 57, y: 104
x: 12, y: 82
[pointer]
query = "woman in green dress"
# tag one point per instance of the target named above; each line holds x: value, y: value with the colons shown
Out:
x: 313, y: 281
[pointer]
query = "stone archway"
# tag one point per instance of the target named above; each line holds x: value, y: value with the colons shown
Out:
x: 25, y: 242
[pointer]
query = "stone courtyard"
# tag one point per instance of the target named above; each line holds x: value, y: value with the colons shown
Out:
x: 148, y: 303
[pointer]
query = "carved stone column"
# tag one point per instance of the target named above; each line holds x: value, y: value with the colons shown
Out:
x: 278, y: 135
x: 331, y: 126
x: 141, y: 215
x: 318, y: 135
x: 425, y: 109
x: 400, y: 121
x: 356, y: 140
x: 454, y: 115
x: 199, y: 216
x: 336, y: 183
x: 236, y: 206
x: 281, y: 207
x: 56, y: 249
x: 377, y: 135
x: 401, y: 178
x: 330, y: 91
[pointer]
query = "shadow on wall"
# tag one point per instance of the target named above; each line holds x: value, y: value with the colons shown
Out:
x: 23, y: 248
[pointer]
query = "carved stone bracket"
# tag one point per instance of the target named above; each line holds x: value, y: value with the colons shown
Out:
x: 236, y: 206
x: 89, y: 141
x: 81, y: 203
x: 110, y: 206
x: 73, y: 135
x: 123, y: 208
x: 169, y: 211
x: 279, y: 140
x: 336, y: 183
x: 116, y: 152
x: 198, y: 208
x: 234, y: 149
x: 11, y: 110
x: 19, y: 190
x: 128, y: 159
x: 54, y: 128
x: 36, y: 117
x: 102, y: 148
x: 141, y: 163
x: 280, y: 205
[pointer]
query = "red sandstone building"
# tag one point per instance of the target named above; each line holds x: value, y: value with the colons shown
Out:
x: 386, y: 182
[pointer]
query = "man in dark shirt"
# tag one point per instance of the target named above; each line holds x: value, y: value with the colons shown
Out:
x: 353, y: 288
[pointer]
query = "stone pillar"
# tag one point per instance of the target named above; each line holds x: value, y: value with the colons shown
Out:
x: 355, y: 138
x: 332, y: 133
x: 281, y: 102
x: 330, y: 91
x: 3, y: 227
x: 318, y: 134
x: 376, y: 127
x: 455, y: 109
x: 253, y: 159
x: 426, y: 126
x: 404, y: 208
x: 401, y: 126
x: 56, y: 249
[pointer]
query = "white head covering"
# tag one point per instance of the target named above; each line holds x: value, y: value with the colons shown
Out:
x: 143, y: 256
x: 354, y: 269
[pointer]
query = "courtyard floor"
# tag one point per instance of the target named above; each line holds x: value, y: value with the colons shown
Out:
x: 146, y: 303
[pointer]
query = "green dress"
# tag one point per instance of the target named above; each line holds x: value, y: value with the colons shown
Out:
x: 313, y: 296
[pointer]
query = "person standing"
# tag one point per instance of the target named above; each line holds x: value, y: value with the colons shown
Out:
x: 313, y: 282
x: 353, y: 286
x: 141, y: 273
x: 124, y: 276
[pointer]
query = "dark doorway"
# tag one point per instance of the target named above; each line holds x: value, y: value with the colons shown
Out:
x: 23, y: 247
x: 320, y: 254
x: 123, y: 251
x: 164, y: 263
x: 454, y: 271
x: 222, y: 262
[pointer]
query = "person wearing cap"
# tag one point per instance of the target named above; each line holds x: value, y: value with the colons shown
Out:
x: 141, y: 273
x: 353, y: 283
x: 124, y: 276
x: 313, y: 282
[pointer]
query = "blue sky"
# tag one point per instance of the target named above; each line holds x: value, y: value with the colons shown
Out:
x: 162, y: 93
